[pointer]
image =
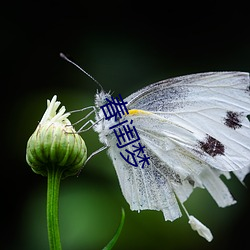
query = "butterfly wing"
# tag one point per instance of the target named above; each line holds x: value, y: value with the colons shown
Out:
x: 212, y: 106
x: 194, y: 129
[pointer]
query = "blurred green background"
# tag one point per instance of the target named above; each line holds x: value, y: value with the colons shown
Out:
x: 125, y: 46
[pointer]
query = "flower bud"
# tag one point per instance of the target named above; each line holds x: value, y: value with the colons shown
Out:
x: 55, y: 144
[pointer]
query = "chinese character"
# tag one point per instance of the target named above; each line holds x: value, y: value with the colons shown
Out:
x: 133, y: 162
x: 143, y: 159
x: 114, y: 108
x: 139, y: 148
x: 125, y: 134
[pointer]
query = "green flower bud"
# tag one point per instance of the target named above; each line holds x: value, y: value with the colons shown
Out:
x: 55, y: 144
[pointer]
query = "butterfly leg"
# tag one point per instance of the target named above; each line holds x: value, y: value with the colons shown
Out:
x: 96, y: 152
x: 92, y: 154
x: 86, y: 116
x: 83, y: 109
x: 82, y: 128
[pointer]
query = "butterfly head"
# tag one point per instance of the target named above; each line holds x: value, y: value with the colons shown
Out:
x: 101, y: 98
x: 102, y: 124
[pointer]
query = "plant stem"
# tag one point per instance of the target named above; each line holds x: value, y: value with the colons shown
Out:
x: 117, y: 234
x: 54, y: 177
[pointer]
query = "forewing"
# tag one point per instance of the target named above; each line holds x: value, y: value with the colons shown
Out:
x: 213, y: 107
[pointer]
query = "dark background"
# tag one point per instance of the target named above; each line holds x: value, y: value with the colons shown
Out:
x: 125, y: 45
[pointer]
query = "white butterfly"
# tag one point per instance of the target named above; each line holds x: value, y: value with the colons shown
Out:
x: 194, y: 128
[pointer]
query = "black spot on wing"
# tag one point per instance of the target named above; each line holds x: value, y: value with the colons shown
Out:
x: 190, y: 181
x: 233, y: 119
x: 212, y: 146
x: 248, y: 89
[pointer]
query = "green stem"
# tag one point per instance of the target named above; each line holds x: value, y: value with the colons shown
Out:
x: 54, y: 177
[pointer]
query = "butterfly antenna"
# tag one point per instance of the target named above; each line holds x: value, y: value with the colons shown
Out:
x: 86, y: 73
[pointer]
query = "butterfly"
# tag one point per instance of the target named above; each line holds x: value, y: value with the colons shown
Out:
x: 194, y: 128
